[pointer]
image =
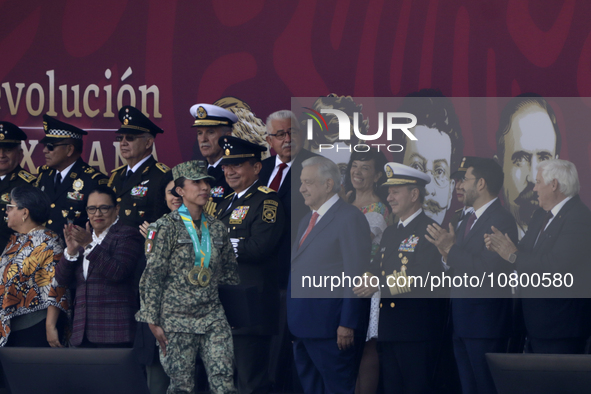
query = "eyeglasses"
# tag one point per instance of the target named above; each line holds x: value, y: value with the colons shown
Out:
x: 281, y: 134
x: 128, y: 137
x: 103, y: 208
x: 51, y: 146
x: 10, y: 206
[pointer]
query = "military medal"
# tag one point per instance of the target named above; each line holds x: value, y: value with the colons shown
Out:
x: 204, y: 276
x: 194, y: 275
x: 200, y: 274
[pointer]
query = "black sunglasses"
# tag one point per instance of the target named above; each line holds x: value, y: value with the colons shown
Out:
x: 128, y: 137
x: 51, y: 146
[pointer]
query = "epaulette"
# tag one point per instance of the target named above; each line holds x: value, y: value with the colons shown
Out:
x: 96, y: 174
x: 162, y: 167
x: 89, y: 170
x: 266, y: 189
x: 458, y: 210
x: 230, y: 195
x: 26, y: 176
x: 44, y: 167
x: 118, y: 168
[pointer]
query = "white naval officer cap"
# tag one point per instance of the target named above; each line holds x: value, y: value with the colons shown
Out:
x: 398, y: 174
x: 212, y: 115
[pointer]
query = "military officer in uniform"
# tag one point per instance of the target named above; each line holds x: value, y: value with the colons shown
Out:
x: 189, y: 255
x: 11, y: 173
x: 65, y: 177
x: 255, y: 219
x: 140, y: 183
x: 211, y: 123
x: 410, y: 328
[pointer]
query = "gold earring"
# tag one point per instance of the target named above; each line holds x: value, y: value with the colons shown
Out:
x: 24, y: 219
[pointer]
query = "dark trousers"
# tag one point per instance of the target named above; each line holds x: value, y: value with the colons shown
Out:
x: 473, y: 368
x: 251, y: 356
x: 557, y: 346
x: 34, y: 336
x: 408, y: 367
x: 323, y: 368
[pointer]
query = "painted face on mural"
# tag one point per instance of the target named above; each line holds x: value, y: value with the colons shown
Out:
x: 431, y: 154
x: 531, y: 140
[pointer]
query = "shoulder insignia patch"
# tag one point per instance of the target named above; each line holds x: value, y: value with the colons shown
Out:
x: 266, y: 189
x: 269, y: 211
x: 104, y: 182
x: 26, y: 176
x: 118, y: 168
x: 89, y: 170
x: 162, y: 167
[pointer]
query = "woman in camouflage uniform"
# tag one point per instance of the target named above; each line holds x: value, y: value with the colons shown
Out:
x: 189, y: 255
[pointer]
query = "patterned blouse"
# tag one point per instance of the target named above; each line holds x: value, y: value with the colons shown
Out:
x: 377, y: 215
x: 28, y: 268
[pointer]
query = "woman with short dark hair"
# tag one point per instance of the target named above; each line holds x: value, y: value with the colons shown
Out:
x: 102, y: 259
x: 31, y: 300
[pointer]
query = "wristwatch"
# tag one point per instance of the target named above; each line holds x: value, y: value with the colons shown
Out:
x: 513, y: 257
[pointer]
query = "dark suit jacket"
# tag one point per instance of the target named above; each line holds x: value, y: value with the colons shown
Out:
x: 565, y: 247
x: 105, y: 301
x: 258, y: 225
x: 339, y: 244
x: 404, y: 317
x: 481, y: 317
x: 69, y: 200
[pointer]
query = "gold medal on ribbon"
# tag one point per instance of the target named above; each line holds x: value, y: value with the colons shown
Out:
x: 194, y: 275
x: 204, y: 277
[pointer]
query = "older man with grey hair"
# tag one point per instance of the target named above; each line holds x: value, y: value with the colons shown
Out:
x: 332, y: 241
x: 556, y: 249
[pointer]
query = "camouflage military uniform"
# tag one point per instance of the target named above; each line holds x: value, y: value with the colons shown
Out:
x: 191, y: 316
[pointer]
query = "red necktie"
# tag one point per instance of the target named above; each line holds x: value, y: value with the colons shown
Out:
x: 310, y: 227
x: 277, y: 180
x: 471, y: 221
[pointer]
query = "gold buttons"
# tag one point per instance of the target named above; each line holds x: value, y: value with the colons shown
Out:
x: 53, y: 205
x: 119, y: 199
x: 134, y: 204
x: 383, y: 273
x: 380, y: 304
x: 392, y: 305
x: 71, y: 208
x: 380, y: 264
x: 50, y: 221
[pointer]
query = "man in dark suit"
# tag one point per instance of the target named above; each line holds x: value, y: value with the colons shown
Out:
x: 11, y: 173
x: 480, y: 324
x: 556, y: 242
x: 410, y: 327
x: 211, y: 123
x: 255, y: 219
x: 65, y: 177
x: 460, y: 214
x: 333, y: 240
x: 140, y: 184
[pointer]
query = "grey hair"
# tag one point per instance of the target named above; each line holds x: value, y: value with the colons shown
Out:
x: 327, y: 169
x: 280, y: 115
x: 565, y: 174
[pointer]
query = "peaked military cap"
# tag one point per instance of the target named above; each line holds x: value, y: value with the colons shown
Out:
x: 398, y: 174
x: 212, y: 115
x: 56, y: 129
x: 133, y: 121
x: 11, y: 134
x: 237, y: 150
x: 193, y: 170
x: 467, y: 162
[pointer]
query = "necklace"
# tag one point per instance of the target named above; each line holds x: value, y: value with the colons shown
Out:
x: 33, y: 229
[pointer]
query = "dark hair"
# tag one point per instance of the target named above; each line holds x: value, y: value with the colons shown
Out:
x: 379, y: 161
x: 491, y: 172
x: 436, y: 111
x: 34, y: 200
x: 180, y: 182
x: 514, y: 105
x: 104, y: 189
x: 78, y: 145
